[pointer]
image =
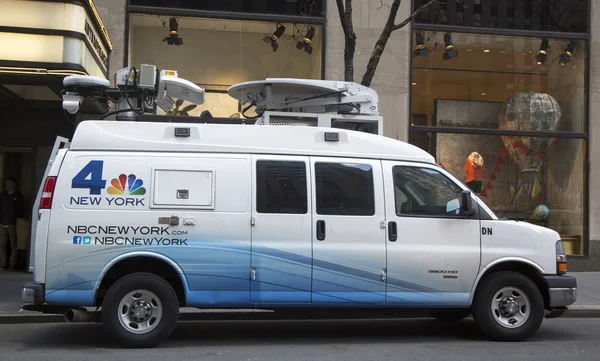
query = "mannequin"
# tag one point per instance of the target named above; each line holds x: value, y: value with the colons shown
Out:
x: 474, y: 168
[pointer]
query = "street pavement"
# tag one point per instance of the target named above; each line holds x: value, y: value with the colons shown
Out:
x: 557, y: 340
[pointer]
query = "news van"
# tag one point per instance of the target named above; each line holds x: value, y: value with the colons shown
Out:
x: 139, y: 219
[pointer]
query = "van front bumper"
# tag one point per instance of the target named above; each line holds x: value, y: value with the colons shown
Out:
x: 562, y: 291
x: 33, y: 293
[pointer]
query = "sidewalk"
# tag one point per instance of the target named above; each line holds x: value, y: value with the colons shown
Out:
x: 587, y: 305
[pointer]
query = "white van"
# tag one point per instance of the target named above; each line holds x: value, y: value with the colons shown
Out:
x: 141, y: 219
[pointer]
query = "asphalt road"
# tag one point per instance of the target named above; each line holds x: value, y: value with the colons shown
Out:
x: 423, y: 340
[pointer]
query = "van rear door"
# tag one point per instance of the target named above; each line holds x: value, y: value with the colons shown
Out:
x: 40, y: 218
x: 281, y: 235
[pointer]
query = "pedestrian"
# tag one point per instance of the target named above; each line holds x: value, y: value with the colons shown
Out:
x: 11, y: 208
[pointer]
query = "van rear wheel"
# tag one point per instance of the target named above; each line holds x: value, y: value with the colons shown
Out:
x: 140, y: 310
x: 508, y: 306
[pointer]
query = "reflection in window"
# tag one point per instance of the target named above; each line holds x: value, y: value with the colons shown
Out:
x: 344, y: 189
x: 543, y: 15
x: 281, y: 187
x: 425, y: 192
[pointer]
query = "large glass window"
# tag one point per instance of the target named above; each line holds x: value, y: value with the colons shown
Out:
x: 217, y: 53
x: 508, y: 116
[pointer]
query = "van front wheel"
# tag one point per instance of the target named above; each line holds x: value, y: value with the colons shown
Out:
x: 508, y: 306
x: 140, y: 310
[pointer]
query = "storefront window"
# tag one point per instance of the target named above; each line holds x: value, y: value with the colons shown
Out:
x: 521, y: 110
x: 218, y: 53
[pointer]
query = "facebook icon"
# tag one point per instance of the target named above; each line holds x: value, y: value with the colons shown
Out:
x: 77, y: 240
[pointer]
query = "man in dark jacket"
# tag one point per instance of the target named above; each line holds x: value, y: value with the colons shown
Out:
x: 11, y: 208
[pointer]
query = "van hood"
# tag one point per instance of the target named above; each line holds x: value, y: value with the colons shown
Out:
x: 530, y: 228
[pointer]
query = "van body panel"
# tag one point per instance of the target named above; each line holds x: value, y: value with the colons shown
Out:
x: 240, y: 139
x: 98, y: 217
x: 521, y: 239
x: 435, y: 259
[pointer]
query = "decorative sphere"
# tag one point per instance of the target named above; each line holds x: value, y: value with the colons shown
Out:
x: 541, y: 212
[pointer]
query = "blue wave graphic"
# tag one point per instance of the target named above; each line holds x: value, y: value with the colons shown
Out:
x: 218, y: 273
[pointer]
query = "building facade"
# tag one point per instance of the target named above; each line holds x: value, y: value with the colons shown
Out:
x: 512, y: 81
x: 41, y: 42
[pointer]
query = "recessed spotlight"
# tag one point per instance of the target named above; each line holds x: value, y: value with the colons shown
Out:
x: 502, y: 51
x: 414, y: 83
x: 483, y: 94
x: 486, y: 51
x: 468, y: 49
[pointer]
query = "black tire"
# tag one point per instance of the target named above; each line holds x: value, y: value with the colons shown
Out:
x: 452, y: 315
x: 484, y: 316
x: 132, y: 282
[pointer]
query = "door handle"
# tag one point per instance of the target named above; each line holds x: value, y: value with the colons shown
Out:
x: 320, y: 230
x: 392, y: 231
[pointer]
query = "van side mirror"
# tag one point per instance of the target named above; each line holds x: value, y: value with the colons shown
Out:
x: 467, y: 204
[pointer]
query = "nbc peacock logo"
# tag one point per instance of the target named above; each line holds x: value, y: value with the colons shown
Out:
x: 126, y: 185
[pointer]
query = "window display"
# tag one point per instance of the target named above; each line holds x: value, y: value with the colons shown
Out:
x: 510, y: 123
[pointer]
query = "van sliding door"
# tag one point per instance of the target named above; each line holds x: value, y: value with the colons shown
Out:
x: 349, y: 255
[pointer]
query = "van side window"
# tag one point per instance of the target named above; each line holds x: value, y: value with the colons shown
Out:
x: 344, y: 189
x: 281, y: 187
x: 425, y: 192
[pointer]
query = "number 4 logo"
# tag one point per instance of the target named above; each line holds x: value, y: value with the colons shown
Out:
x: 90, y: 177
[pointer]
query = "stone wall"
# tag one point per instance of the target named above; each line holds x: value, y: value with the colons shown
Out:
x: 392, y: 76
x: 113, y: 15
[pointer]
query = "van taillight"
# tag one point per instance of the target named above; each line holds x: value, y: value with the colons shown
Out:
x: 47, y: 193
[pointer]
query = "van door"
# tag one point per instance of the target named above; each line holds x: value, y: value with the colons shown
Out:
x: 281, y: 232
x: 433, y: 251
x: 349, y: 256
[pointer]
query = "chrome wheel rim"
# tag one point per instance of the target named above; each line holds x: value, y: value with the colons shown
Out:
x: 140, y: 311
x: 511, y: 307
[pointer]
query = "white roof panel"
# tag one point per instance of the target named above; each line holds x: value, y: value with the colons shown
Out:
x: 258, y: 139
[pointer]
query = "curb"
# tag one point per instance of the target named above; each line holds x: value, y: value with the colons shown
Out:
x: 191, y: 314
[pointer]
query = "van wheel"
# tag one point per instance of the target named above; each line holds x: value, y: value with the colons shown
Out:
x: 140, y: 310
x: 452, y: 315
x: 508, y: 306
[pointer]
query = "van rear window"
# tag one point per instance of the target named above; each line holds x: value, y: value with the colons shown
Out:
x: 344, y: 189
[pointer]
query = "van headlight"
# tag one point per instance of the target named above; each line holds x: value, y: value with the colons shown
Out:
x: 561, y: 258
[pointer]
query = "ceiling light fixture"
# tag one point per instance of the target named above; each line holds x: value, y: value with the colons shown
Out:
x: 450, y: 52
x: 173, y: 38
x: 273, y: 39
x: 543, y: 52
x: 306, y: 41
x: 421, y: 49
